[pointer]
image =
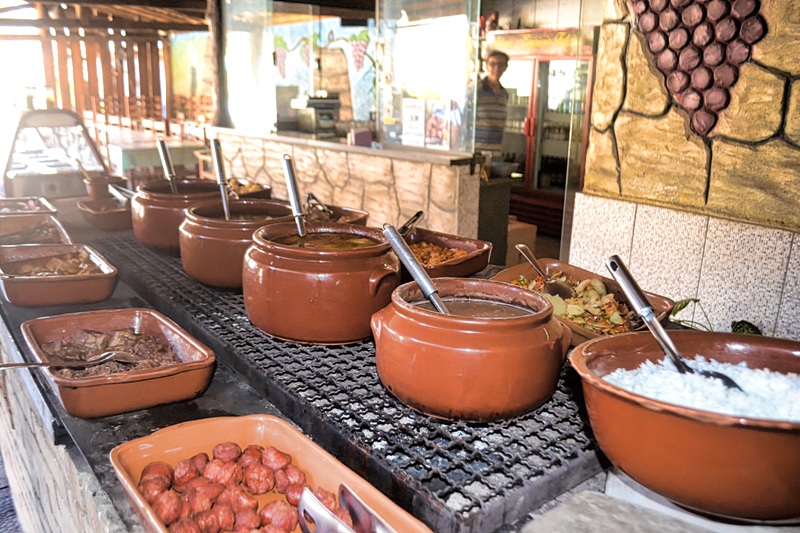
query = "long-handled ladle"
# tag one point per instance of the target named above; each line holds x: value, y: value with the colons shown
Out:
x: 219, y: 170
x: 121, y: 357
x: 408, y: 259
x: 639, y: 302
x: 551, y: 286
x: 294, y: 194
x: 166, y: 163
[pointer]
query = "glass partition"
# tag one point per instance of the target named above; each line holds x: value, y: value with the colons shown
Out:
x: 428, y: 57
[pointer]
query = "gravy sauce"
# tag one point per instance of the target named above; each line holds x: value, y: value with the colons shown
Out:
x: 477, y: 308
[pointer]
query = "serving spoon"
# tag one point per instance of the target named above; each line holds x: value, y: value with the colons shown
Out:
x: 551, y: 286
x: 642, y: 306
x: 409, y: 260
x: 115, y: 355
x: 294, y: 195
x: 219, y: 171
x: 166, y: 163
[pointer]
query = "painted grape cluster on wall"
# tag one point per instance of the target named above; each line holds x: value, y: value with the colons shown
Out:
x: 699, y: 45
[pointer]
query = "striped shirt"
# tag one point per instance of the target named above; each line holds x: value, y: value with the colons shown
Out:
x: 490, y: 118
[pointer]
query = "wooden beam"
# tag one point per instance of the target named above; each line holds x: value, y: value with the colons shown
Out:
x: 116, y: 24
x: 177, y: 5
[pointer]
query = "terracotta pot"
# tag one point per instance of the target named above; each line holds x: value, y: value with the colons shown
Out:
x: 157, y: 214
x: 317, y: 296
x: 212, y: 248
x: 97, y: 189
x: 464, y: 368
x: 730, y: 466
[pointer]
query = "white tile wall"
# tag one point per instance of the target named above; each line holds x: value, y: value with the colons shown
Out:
x: 738, y: 271
x: 601, y: 227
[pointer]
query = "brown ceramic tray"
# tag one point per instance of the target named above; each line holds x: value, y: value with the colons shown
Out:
x: 105, y: 395
x: 30, y: 291
x: 181, y: 441
x: 107, y: 214
x: 477, y: 257
x: 25, y: 205
x: 32, y: 229
x: 662, y: 306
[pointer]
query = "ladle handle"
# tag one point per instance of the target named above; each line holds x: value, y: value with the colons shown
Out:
x: 294, y: 194
x: 414, y: 267
x: 219, y: 170
x: 642, y: 306
x: 166, y: 163
x: 524, y: 250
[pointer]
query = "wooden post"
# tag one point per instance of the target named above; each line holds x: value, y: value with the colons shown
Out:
x: 222, y: 117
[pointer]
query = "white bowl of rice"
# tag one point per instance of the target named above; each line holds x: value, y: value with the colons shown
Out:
x: 713, y: 450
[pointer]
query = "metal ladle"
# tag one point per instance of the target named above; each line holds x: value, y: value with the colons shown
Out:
x: 294, y: 195
x: 409, y: 260
x: 639, y: 302
x: 219, y: 170
x: 121, y: 357
x: 551, y: 286
x: 166, y: 163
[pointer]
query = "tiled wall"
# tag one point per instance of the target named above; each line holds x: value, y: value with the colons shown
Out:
x: 738, y: 271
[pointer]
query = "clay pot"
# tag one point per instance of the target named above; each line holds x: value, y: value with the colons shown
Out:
x: 464, y: 368
x: 157, y: 214
x: 97, y: 188
x: 317, y: 296
x: 730, y: 466
x: 212, y: 248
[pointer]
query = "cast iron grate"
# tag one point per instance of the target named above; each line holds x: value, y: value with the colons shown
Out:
x: 455, y: 477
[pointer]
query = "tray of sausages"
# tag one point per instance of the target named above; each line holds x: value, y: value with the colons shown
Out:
x: 238, y: 473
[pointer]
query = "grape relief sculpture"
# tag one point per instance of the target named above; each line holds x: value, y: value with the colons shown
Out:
x: 699, y: 45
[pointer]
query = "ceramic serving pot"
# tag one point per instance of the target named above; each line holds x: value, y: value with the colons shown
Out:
x: 317, y: 296
x: 464, y: 368
x: 156, y: 213
x: 212, y: 248
x: 729, y: 466
x: 97, y: 188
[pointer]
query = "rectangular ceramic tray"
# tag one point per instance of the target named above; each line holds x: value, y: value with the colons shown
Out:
x: 477, y: 257
x: 25, y: 206
x: 182, y: 441
x: 662, y: 306
x: 32, y: 229
x: 31, y: 291
x: 107, y: 214
x: 105, y: 395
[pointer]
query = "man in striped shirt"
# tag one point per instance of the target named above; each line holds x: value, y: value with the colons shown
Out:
x: 490, y: 114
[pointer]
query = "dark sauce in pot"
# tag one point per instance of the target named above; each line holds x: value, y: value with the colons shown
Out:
x: 328, y: 241
x: 478, y: 308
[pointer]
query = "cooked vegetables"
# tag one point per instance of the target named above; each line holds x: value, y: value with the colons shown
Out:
x: 593, y: 307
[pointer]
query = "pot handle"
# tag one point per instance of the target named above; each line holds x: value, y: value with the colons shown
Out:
x: 377, y: 275
x: 566, y: 339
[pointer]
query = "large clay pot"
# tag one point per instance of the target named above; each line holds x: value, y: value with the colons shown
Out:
x: 212, y: 248
x: 464, y: 368
x: 317, y: 296
x: 157, y: 213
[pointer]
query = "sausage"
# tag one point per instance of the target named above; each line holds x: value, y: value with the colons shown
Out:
x: 259, y: 479
x: 151, y: 488
x: 207, y: 521
x: 157, y: 469
x: 168, y: 506
x: 327, y: 498
x: 293, y: 493
x: 203, y: 484
x: 197, y: 501
x: 226, y: 518
x: 237, y: 499
x: 219, y: 471
x: 185, y: 471
x: 227, y: 451
x: 251, y: 454
x: 247, y: 520
x: 279, y: 514
x: 275, y: 459
x: 199, y: 460
x: 294, y: 475
x: 271, y: 528
x: 281, y: 481
x: 185, y: 525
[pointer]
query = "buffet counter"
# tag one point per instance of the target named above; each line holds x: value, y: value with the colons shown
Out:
x: 453, y: 476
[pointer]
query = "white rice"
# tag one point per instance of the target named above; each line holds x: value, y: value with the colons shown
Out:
x: 768, y: 395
